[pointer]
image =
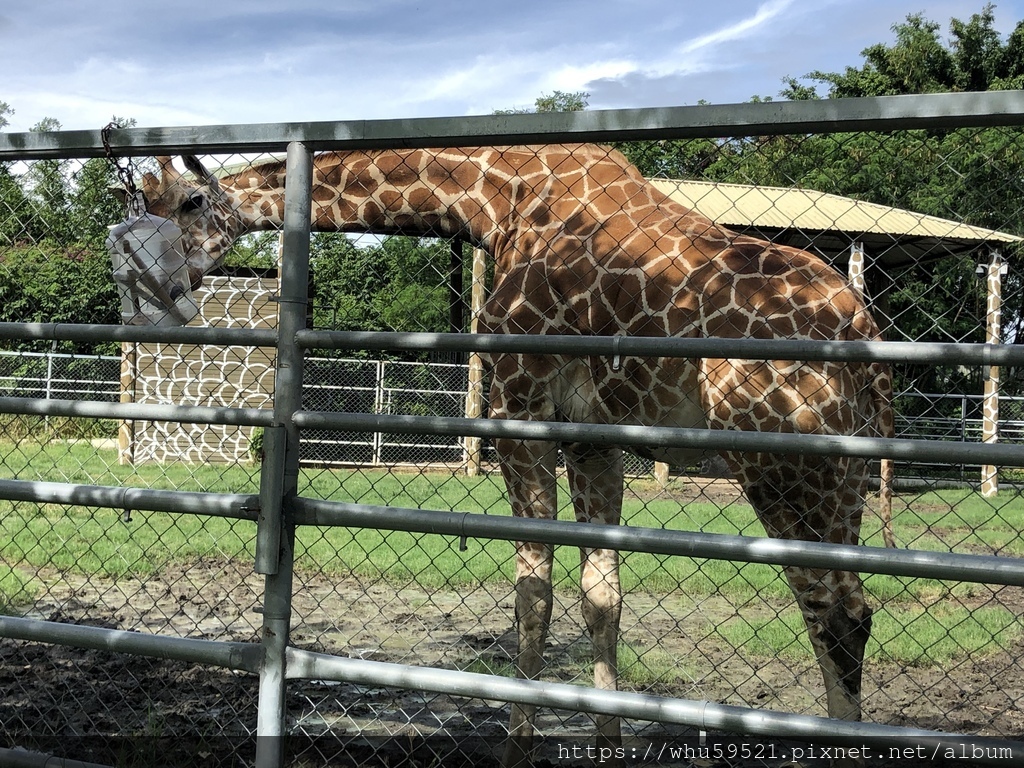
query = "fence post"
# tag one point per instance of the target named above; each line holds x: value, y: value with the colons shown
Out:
x: 129, y: 384
x: 282, y: 468
x: 379, y: 406
x: 475, y: 387
x: 993, y: 335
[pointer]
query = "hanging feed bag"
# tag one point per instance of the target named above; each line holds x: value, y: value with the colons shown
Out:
x: 150, y: 272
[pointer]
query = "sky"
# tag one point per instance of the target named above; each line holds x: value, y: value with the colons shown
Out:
x: 186, y: 62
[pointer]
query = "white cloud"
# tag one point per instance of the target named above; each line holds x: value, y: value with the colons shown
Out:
x: 574, y: 77
x: 703, y: 53
x: 765, y: 13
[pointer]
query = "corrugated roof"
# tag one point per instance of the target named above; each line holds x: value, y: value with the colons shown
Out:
x: 740, y: 206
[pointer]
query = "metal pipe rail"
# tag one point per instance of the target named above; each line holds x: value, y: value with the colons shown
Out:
x: 229, y: 505
x: 147, y: 334
x: 883, y: 113
x: 19, y: 758
x: 245, y: 657
x: 661, y: 346
x: 579, y: 346
x: 980, y: 569
x: 871, y: 739
x: 1000, y: 454
x: 192, y: 414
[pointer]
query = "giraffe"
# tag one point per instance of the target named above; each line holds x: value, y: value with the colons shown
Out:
x: 583, y: 245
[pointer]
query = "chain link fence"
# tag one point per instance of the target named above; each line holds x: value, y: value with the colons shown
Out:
x: 911, y: 218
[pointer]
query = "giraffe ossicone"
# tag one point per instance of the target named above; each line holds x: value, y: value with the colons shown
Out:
x: 583, y: 245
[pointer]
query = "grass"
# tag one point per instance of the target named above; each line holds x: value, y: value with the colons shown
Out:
x: 16, y: 589
x: 642, y: 668
x: 97, y: 542
x: 639, y: 668
x: 912, y: 635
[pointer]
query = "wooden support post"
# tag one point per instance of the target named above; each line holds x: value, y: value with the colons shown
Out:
x: 475, y: 390
x: 993, y: 335
x: 129, y: 383
x: 661, y: 473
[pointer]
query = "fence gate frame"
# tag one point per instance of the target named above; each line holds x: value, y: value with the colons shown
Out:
x: 278, y: 509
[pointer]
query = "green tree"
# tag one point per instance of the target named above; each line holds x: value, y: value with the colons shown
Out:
x: 975, y: 58
x: 44, y: 283
x: 396, y: 284
x: 257, y: 250
x: 16, y: 211
x: 557, y: 101
x: 49, y: 190
x: 53, y: 224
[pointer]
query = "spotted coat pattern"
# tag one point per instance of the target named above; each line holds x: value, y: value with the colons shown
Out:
x: 582, y: 245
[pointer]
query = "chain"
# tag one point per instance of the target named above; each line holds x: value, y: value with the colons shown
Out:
x: 126, y: 173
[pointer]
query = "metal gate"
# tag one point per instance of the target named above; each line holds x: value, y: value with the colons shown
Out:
x: 373, y: 697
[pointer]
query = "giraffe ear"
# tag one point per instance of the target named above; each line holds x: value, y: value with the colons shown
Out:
x: 194, y: 164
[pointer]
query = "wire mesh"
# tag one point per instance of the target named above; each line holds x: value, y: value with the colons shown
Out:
x: 943, y: 655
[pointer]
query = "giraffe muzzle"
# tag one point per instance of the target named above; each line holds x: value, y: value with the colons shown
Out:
x: 151, y: 274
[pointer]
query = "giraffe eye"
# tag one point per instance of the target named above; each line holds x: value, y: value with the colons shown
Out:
x: 193, y: 203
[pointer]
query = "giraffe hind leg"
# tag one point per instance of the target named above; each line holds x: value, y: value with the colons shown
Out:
x: 839, y: 625
x: 819, y: 499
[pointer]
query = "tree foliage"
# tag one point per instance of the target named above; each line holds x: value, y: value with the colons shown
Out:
x: 975, y: 58
x: 395, y: 284
x: 54, y: 218
x: 556, y: 101
x: 47, y: 283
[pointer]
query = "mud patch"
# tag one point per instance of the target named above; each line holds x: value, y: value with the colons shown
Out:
x: 110, y: 708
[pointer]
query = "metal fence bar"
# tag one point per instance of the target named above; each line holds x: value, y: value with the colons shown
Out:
x: 25, y: 377
x: 241, y: 337
x: 981, y: 569
x: 945, y: 110
x: 649, y: 346
x: 18, y: 758
x: 668, y: 437
x: 231, y: 505
x: 240, y: 656
x: 193, y: 414
x: 868, y: 739
x: 281, y: 468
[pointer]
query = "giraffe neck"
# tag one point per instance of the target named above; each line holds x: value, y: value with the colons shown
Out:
x: 412, y: 192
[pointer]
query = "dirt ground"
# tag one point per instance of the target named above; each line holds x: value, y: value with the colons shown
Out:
x: 109, y: 708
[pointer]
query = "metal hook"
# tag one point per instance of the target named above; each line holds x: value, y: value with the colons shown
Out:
x: 616, y: 358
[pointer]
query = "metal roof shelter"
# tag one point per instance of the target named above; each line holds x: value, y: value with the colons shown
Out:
x: 830, y: 224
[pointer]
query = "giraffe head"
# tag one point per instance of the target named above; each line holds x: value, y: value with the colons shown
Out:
x: 204, y: 211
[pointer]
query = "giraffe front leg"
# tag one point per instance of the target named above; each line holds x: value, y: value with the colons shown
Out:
x: 595, y: 480
x: 533, y: 617
x: 529, y: 470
